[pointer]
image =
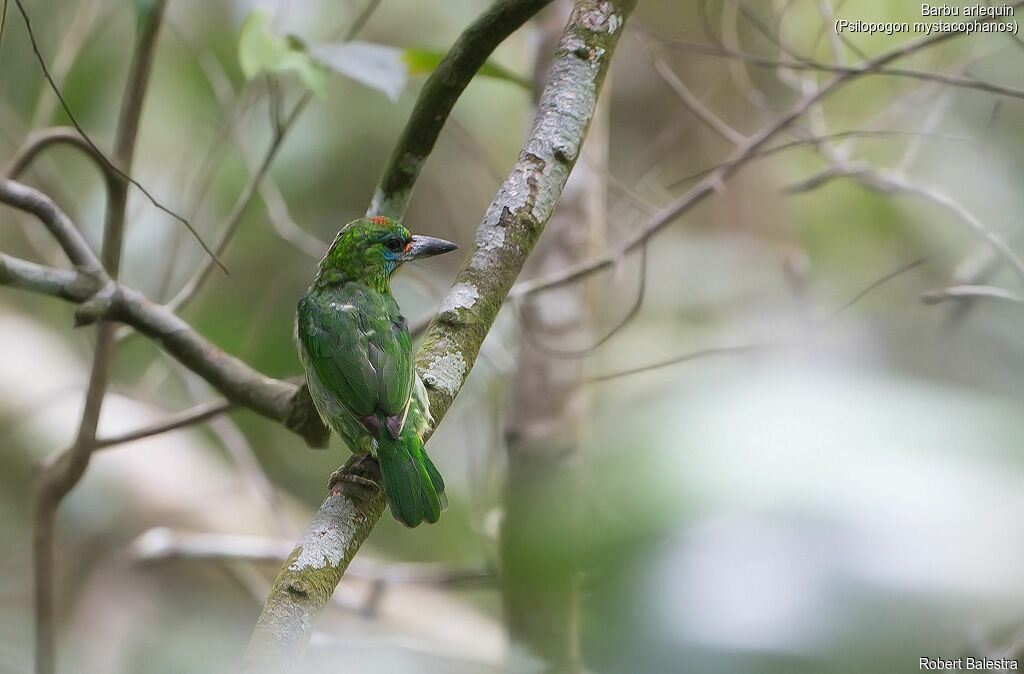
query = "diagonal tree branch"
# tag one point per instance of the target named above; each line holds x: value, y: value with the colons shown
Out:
x: 280, y: 401
x: 438, y: 96
x: 194, y: 415
x: 505, y: 238
x: 524, y: 204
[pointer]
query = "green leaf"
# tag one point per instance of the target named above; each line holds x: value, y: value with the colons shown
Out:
x: 259, y: 51
x: 425, y: 61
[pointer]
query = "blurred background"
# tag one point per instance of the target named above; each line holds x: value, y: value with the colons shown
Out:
x: 785, y: 460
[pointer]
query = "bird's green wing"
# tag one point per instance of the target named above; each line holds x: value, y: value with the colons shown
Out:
x: 358, y: 345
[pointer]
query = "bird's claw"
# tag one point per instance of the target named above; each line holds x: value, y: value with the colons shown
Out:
x: 343, y: 475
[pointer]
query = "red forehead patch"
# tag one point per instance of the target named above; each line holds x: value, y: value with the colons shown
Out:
x: 379, y: 220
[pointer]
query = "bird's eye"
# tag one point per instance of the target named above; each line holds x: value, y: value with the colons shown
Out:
x: 393, y: 245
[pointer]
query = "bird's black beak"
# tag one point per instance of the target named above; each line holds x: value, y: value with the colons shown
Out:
x: 426, y: 246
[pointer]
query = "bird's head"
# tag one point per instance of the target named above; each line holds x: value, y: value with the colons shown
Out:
x: 370, y: 250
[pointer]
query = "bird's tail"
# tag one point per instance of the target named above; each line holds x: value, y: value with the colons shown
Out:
x: 414, y: 488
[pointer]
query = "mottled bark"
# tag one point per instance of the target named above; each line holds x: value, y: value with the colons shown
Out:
x: 524, y: 204
x: 314, y: 568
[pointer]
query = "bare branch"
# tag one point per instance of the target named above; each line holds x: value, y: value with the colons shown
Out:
x: 58, y: 474
x: 438, y: 96
x: 111, y: 164
x: 693, y: 103
x: 893, y: 182
x: 692, y: 355
x: 739, y: 158
x: 184, y: 419
x: 33, y: 201
x: 961, y: 292
x: 166, y: 545
x: 38, y: 141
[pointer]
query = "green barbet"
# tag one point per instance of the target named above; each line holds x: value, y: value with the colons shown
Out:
x: 355, y: 346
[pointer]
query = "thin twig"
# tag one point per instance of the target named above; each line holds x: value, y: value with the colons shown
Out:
x: 194, y: 415
x: 113, y: 167
x: 192, y: 286
x: 863, y: 68
x: 701, y: 111
x: 899, y: 271
x: 58, y: 474
x: 38, y: 141
x: 961, y: 292
x: 692, y: 355
x: 893, y: 182
x: 739, y: 158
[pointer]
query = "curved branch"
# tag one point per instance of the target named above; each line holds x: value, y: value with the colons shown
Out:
x: 44, y: 280
x: 33, y: 201
x: 438, y: 96
x: 39, y: 140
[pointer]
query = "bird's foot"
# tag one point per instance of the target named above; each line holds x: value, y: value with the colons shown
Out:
x: 346, y: 474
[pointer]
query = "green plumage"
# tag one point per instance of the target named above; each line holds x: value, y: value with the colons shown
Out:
x: 355, y: 347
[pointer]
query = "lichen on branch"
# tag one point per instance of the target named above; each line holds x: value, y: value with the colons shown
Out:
x: 524, y: 203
